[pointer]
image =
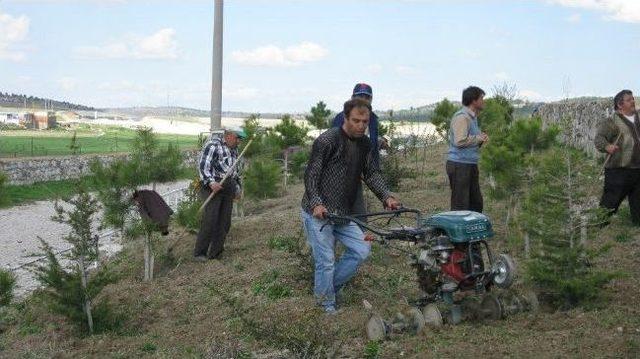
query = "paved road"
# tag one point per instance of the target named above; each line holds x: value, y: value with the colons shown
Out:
x: 21, y: 226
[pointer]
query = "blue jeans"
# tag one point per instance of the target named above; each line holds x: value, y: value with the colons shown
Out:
x: 330, y: 275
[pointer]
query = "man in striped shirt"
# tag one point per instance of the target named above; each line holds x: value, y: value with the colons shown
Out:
x: 218, y: 158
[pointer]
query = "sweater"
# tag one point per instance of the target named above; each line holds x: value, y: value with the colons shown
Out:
x: 335, y: 168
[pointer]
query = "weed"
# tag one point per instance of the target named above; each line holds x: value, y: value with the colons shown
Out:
x: 283, y: 243
x: 271, y: 287
x: 372, y: 350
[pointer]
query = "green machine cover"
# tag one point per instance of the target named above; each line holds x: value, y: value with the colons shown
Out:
x: 461, y: 226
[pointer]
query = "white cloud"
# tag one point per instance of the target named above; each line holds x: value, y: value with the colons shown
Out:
x: 68, y: 83
x: 160, y: 45
x: 574, y: 18
x: 271, y: 55
x: 13, y: 30
x: 619, y: 10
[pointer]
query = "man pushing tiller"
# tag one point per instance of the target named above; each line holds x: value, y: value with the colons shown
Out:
x: 339, y: 158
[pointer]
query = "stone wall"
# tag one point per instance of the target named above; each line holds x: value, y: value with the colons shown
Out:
x: 39, y: 169
x: 578, y: 119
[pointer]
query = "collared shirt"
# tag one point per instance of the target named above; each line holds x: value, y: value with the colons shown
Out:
x: 216, y: 160
x: 631, y: 118
x: 338, y: 121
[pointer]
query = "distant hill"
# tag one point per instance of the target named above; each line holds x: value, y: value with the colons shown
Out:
x: 15, y: 100
x: 165, y: 111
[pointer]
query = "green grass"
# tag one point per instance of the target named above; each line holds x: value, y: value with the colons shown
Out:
x: 42, y: 191
x: 91, y: 139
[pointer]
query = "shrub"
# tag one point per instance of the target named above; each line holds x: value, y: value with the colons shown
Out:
x: 298, y: 163
x: 261, y: 179
x: 289, y: 133
x: 319, y: 117
x: 441, y: 117
x: 4, y: 195
x: 7, y: 286
x: 187, y: 214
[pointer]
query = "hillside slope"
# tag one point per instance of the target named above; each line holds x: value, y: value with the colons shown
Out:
x: 257, y: 300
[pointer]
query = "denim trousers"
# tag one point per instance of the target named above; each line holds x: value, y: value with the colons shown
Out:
x: 331, y: 275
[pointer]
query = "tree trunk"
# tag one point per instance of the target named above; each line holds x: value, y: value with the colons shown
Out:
x: 583, y: 230
x: 147, y: 253
x: 570, y: 201
x: 527, y: 246
x: 87, y: 300
x: 286, y: 169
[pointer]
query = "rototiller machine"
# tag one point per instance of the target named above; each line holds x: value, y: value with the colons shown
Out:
x: 451, y: 254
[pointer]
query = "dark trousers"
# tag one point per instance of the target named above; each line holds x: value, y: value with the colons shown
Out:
x: 621, y: 183
x: 216, y: 221
x: 464, y: 180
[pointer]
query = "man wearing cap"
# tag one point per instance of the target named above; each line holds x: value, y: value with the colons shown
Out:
x: 365, y: 92
x: 218, y: 157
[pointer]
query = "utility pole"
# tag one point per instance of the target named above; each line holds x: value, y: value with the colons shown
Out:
x: 216, y: 79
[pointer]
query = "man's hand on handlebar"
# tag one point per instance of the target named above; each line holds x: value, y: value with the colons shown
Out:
x: 392, y: 204
x: 320, y: 212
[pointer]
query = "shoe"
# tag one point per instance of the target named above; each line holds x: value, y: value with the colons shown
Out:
x: 330, y: 310
x: 200, y: 258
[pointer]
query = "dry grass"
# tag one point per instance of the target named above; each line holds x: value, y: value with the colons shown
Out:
x: 213, y: 310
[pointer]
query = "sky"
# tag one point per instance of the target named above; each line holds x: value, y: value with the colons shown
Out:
x: 286, y: 55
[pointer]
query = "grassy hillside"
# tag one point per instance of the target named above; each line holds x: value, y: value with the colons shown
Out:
x: 257, y: 300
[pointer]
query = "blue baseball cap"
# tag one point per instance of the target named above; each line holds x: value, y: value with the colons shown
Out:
x: 362, y: 89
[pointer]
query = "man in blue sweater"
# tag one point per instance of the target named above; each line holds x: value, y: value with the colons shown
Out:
x: 365, y: 92
x: 465, y: 140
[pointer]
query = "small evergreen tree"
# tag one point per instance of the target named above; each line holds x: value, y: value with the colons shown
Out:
x: 7, y: 286
x: 261, y: 179
x: 71, y: 292
x: 251, y: 127
x: 319, y: 117
x: 74, y: 146
x: 496, y: 116
x: 298, y: 163
x: 556, y: 214
x: 289, y: 133
x: 187, y: 214
x: 441, y: 117
x: 117, y: 182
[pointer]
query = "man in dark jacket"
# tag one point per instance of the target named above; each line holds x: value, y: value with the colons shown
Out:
x: 340, y: 157
x: 365, y: 92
